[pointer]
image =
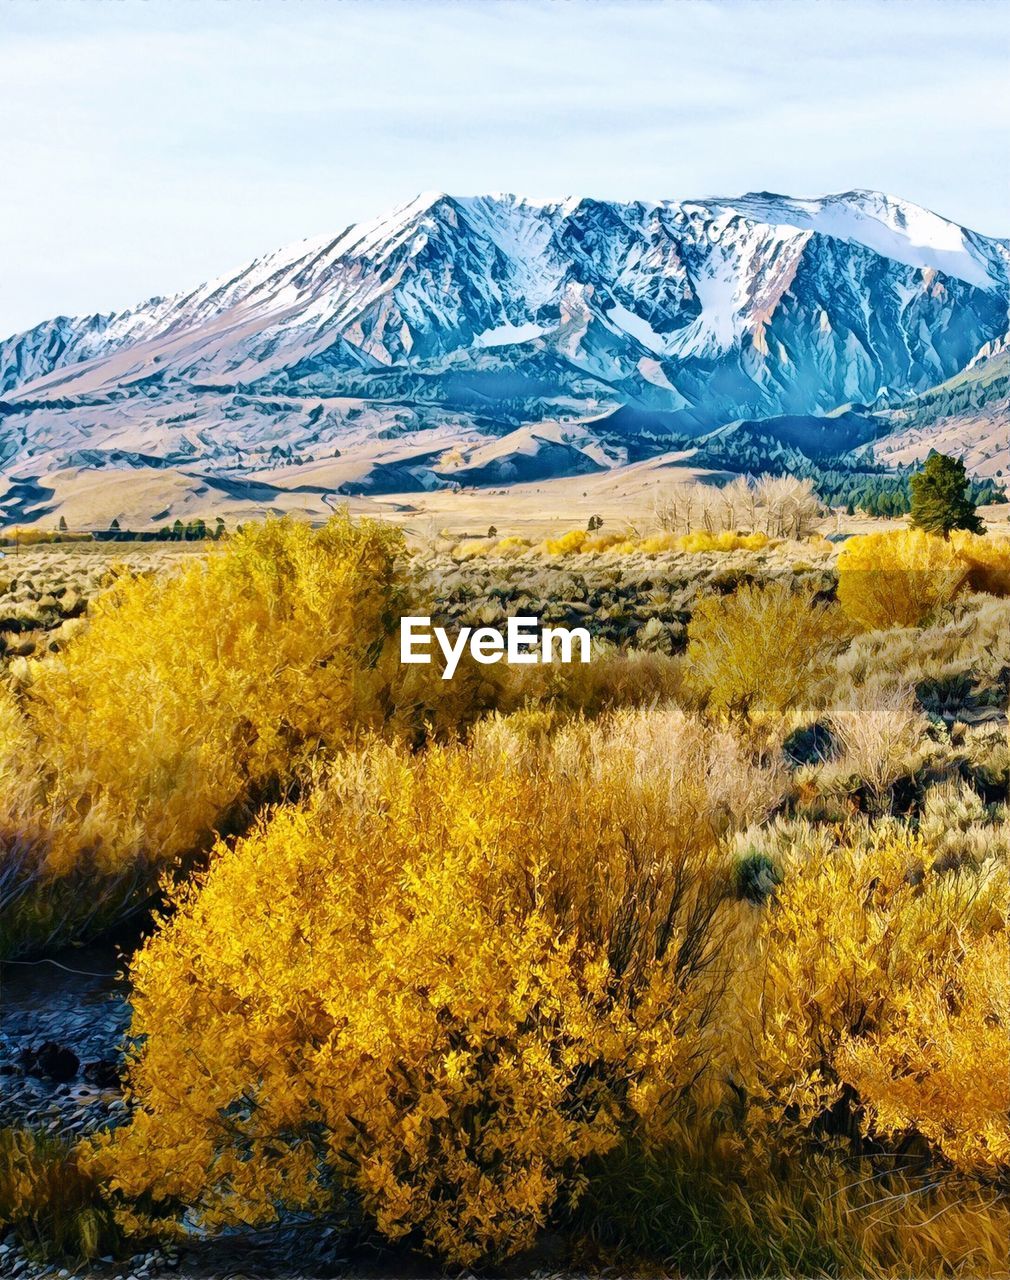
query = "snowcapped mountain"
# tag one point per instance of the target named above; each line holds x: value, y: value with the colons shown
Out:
x: 460, y: 319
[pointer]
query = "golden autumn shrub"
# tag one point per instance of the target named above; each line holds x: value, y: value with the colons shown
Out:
x: 941, y: 1065
x: 580, y: 542
x: 726, y: 540
x: 761, y: 649
x: 628, y: 542
x: 599, y: 542
x: 567, y: 543
x: 191, y: 697
x: 655, y: 543
x: 898, y: 579
x: 512, y: 545
x: 878, y: 1006
x: 444, y: 984
x: 988, y: 561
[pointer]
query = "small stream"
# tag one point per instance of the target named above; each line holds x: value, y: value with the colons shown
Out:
x: 53, y: 1011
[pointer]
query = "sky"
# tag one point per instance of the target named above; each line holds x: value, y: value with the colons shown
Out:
x: 151, y: 144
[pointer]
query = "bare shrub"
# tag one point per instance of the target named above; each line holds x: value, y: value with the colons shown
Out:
x: 883, y: 736
x: 779, y: 506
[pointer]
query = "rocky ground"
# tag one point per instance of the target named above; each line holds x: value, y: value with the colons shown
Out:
x: 62, y: 1022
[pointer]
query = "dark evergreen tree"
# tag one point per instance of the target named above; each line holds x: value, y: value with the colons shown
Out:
x: 941, y: 497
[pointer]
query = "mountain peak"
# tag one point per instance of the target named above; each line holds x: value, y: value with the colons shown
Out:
x: 742, y: 305
x: 362, y: 357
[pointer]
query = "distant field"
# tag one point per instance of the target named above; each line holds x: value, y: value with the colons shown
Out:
x: 45, y: 589
x: 623, y: 498
x: 147, y: 499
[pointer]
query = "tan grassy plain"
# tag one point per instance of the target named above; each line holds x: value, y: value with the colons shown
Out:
x: 147, y: 498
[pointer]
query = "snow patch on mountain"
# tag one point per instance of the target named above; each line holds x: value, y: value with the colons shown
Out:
x: 504, y: 335
x: 892, y: 228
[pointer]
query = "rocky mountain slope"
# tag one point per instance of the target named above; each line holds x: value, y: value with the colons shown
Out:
x: 394, y: 355
x: 967, y: 415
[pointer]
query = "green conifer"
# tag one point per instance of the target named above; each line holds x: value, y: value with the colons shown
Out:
x: 941, y: 497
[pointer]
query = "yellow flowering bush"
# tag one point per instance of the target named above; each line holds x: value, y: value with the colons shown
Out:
x: 444, y: 984
x: 726, y: 540
x: 941, y: 1066
x: 988, y: 561
x: 511, y: 545
x: 567, y: 544
x: 469, y: 548
x: 191, y: 698
x: 653, y: 544
x: 580, y: 542
x: 761, y: 649
x: 898, y: 579
x: 623, y: 543
x: 882, y: 999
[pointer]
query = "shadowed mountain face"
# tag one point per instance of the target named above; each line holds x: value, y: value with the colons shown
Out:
x: 467, y: 318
